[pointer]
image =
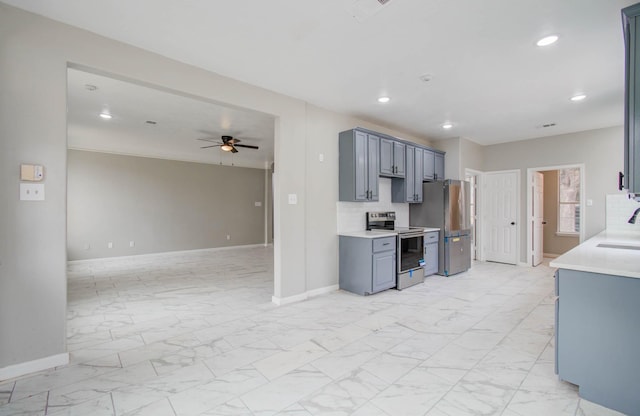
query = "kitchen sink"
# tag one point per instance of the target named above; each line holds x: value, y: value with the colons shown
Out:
x: 619, y: 246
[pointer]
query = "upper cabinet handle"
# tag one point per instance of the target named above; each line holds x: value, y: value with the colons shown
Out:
x: 620, y: 177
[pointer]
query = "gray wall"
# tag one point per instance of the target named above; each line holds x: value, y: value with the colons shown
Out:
x: 461, y: 154
x: 34, y: 55
x: 161, y: 205
x: 552, y: 243
x: 601, y: 151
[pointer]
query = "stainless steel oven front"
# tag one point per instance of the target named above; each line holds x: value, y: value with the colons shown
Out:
x: 410, y: 258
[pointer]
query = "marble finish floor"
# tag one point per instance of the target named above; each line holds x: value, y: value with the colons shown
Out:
x: 195, y: 333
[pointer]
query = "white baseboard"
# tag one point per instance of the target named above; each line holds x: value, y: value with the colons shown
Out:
x: 303, y: 296
x: 164, y: 253
x: 34, y: 366
x: 523, y: 264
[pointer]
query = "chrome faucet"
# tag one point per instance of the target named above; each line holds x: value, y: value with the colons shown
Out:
x: 632, y: 220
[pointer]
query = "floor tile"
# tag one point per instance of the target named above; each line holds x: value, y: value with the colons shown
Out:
x: 196, y: 333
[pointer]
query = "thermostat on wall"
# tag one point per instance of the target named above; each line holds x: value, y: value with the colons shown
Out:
x: 33, y: 173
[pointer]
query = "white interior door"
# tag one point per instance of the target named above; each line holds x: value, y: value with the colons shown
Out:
x: 500, y: 216
x: 537, y: 217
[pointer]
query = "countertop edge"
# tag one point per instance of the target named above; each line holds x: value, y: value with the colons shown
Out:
x: 588, y: 257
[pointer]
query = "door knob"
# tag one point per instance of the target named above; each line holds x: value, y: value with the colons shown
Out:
x: 513, y: 223
x: 544, y: 223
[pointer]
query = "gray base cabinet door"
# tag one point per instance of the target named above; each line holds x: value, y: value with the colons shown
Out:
x: 431, y: 253
x: 384, y: 270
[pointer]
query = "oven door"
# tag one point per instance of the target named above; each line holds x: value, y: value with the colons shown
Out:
x: 410, y: 251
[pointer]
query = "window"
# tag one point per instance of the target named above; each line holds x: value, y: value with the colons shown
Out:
x: 569, y: 201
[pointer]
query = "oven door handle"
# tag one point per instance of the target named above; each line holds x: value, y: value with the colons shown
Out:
x: 411, y: 235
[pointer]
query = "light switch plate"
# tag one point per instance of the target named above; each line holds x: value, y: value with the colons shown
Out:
x: 293, y: 199
x: 32, y: 192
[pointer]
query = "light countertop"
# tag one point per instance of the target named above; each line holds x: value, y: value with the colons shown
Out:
x: 377, y: 234
x: 368, y: 234
x: 588, y: 257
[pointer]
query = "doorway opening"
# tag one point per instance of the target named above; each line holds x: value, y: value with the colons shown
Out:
x: 555, y: 211
x: 474, y: 178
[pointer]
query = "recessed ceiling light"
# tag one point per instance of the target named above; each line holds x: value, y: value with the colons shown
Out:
x: 578, y: 97
x: 105, y: 116
x: 384, y: 99
x: 547, y: 40
x: 447, y: 126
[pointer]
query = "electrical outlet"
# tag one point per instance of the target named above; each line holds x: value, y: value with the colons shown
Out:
x: 32, y: 192
x: 228, y: 237
x: 132, y: 243
x: 109, y: 244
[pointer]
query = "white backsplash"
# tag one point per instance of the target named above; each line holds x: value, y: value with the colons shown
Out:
x: 618, y: 211
x: 351, y: 215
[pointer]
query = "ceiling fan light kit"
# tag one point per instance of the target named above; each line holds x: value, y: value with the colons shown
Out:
x: 228, y: 144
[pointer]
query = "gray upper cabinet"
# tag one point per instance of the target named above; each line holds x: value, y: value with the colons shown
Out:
x: 366, y: 155
x: 409, y: 189
x: 428, y: 167
x: 359, y: 166
x: 631, y: 28
x: 438, y: 174
x: 433, y: 167
x: 392, y: 158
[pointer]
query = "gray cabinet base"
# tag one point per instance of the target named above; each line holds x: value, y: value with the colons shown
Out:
x: 598, y: 337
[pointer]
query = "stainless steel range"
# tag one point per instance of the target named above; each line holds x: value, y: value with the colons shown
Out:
x: 410, y: 247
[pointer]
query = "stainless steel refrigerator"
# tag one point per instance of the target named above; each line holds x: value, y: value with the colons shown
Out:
x: 446, y: 206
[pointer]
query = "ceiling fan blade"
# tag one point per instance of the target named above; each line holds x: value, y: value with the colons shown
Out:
x: 234, y: 150
x: 248, y: 146
x: 207, y: 139
x: 213, y: 145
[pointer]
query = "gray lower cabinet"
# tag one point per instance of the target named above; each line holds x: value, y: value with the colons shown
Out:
x: 431, y: 253
x: 358, y: 163
x: 598, y: 336
x: 367, y: 265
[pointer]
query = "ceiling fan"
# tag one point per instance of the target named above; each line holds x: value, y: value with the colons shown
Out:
x: 228, y: 144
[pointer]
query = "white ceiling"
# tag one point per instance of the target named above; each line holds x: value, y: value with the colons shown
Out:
x: 180, y: 122
x: 487, y: 75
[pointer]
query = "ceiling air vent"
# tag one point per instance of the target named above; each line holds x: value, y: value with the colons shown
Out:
x: 361, y: 10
